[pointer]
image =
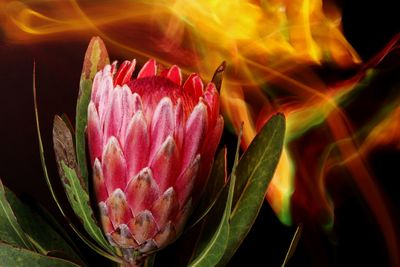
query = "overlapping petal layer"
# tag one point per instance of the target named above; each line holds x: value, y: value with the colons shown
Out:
x: 151, y: 142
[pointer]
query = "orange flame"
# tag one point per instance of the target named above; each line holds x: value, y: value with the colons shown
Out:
x: 272, y: 48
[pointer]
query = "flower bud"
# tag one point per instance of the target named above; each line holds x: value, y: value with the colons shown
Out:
x: 151, y: 141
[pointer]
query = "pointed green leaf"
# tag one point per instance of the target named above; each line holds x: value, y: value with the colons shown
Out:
x: 214, y: 250
x: 96, y: 58
x: 79, y: 200
x: 73, y: 184
x: 254, y: 172
x: 67, y: 121
x: 42, y: 235
x: 47, y: 178
x: 293, y: 244
x: 10, y: 230
x: 19, y: 257
x: 213, y: 189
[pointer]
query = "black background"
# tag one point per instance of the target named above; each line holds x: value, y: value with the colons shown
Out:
x: 357, y: 241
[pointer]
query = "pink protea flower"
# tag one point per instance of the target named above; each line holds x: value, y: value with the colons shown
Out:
x: 151, y: 142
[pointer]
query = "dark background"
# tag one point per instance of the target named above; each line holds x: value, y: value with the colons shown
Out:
x: 356, y: 239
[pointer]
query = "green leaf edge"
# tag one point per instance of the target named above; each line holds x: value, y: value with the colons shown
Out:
x: 53, y: 241
x: 49, y: 185
x: 80, y: 126
x: 222, y: 232
x: 28, y: 262
x: 199, y: 215
x: 21, y: 238
x: 234, y: 241
x: 79, y: 200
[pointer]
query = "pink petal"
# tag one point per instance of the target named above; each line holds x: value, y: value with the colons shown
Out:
x: 196, y: 126
x: 104, y: 97
x: 174, y: 74
x: 166, y: 235
x: 137, y: 144
x: 165, y: 208
x: 149, y: 69
x: 113, y: 69
x: 96, y: 86
x: 143, y: 226
x: 179, y: 130
x: 123, y: 238
x: 162, y: 124
x: 208, y: 152
x: 183, y: 215
x: 99, y: 182
x: 141, y: 191
x: 101, y: 78
x: 185, y: 182
x: 95, y: 135
x: 128, y: 105
x: 114, y: 115
x: 108, y: 228
x: 114, y: 166
x: 125, y: 72
x: 118, y: 210
x: 148, y: 246
x: 213, y: 138
x: 194, y: 86
x: 165, y: 164
x: 137, y: 102
x: 211, y: 98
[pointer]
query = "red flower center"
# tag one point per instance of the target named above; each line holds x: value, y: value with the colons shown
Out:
x: 153, y: 89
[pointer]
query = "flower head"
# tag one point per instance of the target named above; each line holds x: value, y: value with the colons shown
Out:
x: 151, y: 142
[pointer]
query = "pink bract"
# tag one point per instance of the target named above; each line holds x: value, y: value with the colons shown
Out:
x: 152, y: 141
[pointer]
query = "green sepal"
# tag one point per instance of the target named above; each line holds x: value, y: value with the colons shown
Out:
x: 96, y: 58
x: 20, y: 257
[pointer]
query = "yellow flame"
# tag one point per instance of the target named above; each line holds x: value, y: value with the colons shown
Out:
x: 262, y: 42
x: 267, y: 44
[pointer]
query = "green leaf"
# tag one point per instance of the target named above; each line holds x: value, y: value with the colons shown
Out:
x: 47, y: 178
x: 254, y: 172
x: 96, y: 58
x: 211, y: 254
x: 19, y: 257
x: 79, y: 200
x: 41, y: 150
x: 10, y: 230
x: 67, y: 121
x: 213, y: 189
x: 42, y: 235
x: 73, y: 184
x: 293, y: 244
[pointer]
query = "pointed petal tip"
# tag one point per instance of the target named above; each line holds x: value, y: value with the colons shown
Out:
x: 114, y: 165
x: 149, y: 69
x: 175, y: 75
